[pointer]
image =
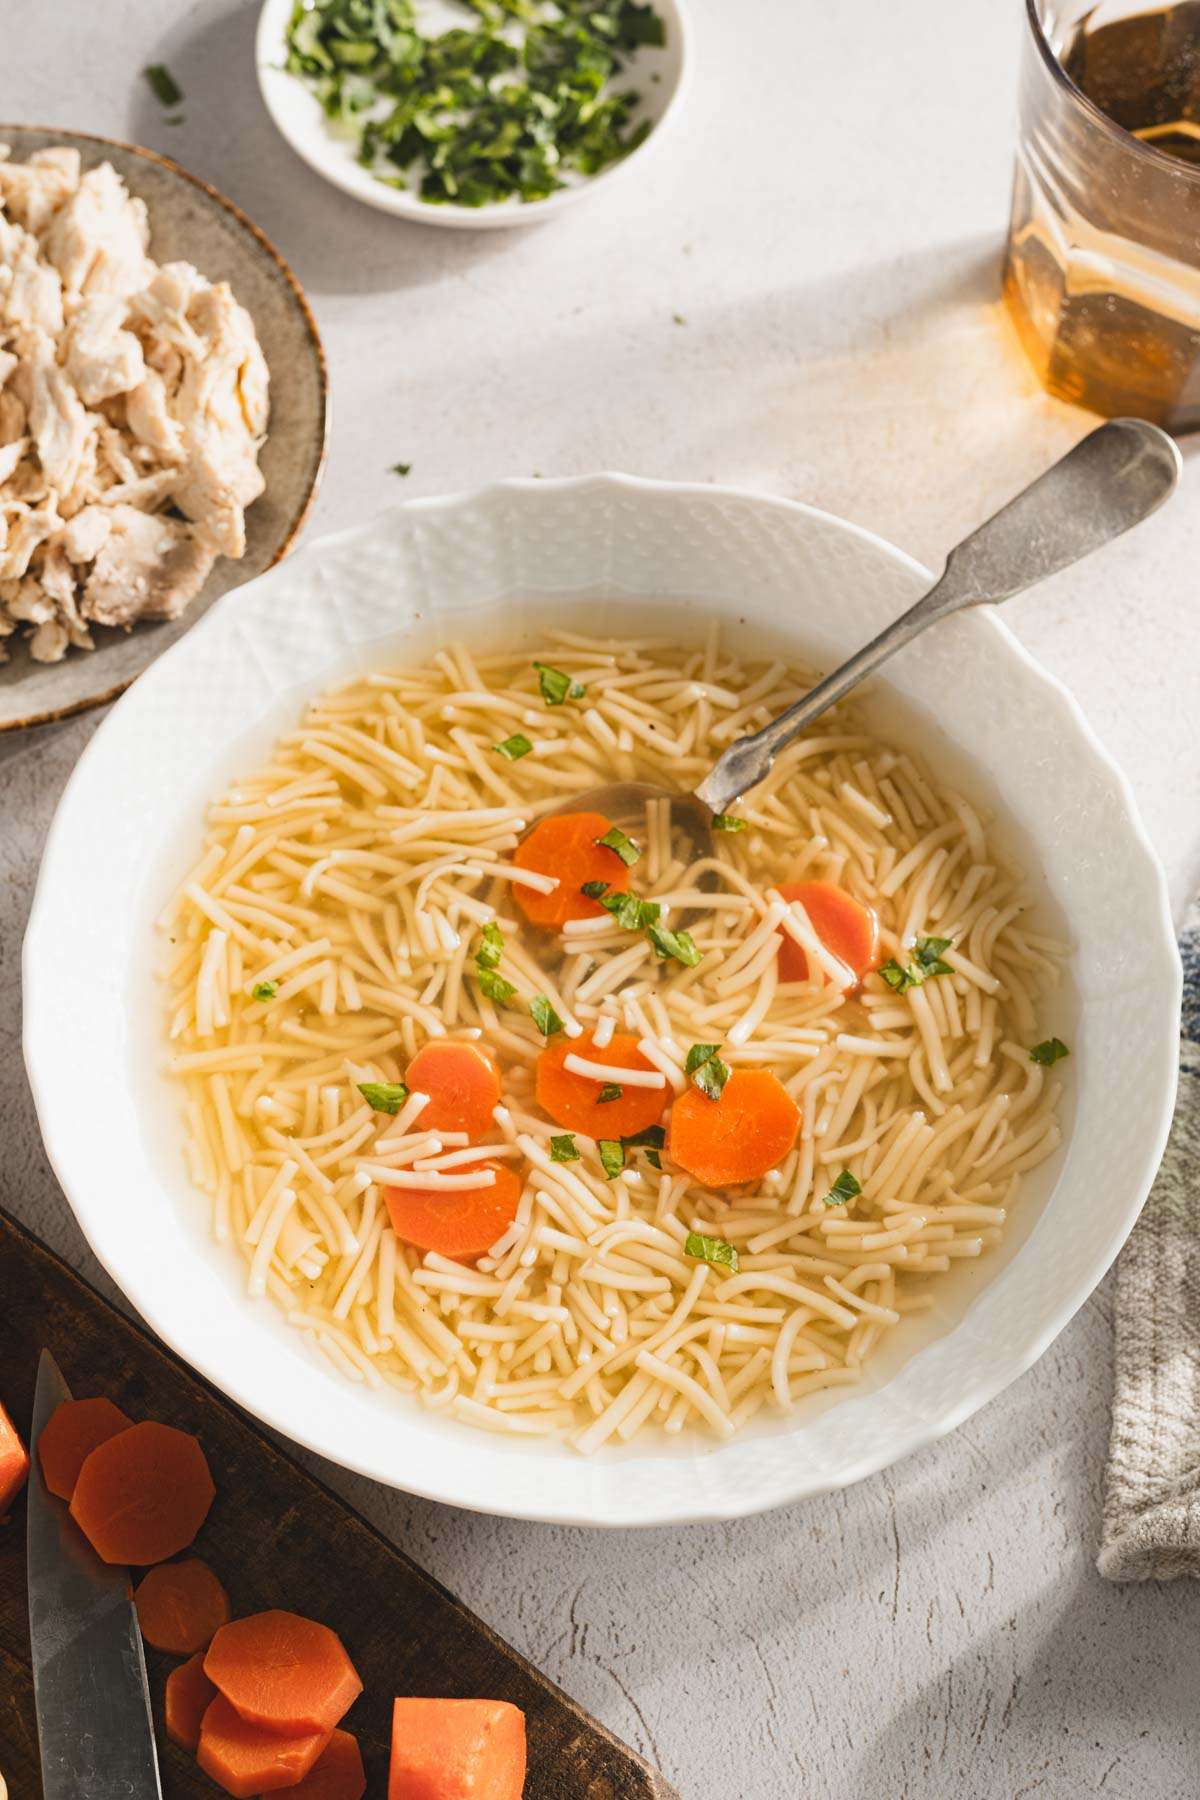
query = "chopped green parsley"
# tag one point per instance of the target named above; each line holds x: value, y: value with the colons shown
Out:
x: 622, y: 846
x: 563, y: 1149
x: 631, y: 913
x: 384, y: 1096
x: 612, y: 1156
x: 513, y: 748
x: 927, y: 960
x: 609, y: 1090
x: 707, y: 1070
x: 727, y: 822
x: 678, y: 944
x: 651, y: 1141
x: 494, y: 986
x: 711, y: 1250
x: 844, y: 1189
x: 492, y: 948
x: 544, y: 1016
x: 265, y: 990
x: 1052, y: 1051
x: 163, y: 85
x: 557, y: 687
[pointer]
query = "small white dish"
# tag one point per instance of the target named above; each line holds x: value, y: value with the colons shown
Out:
x: 628, y: 554
x: 297, y: 113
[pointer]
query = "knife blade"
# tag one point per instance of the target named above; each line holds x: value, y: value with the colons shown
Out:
x: 89, y: 1670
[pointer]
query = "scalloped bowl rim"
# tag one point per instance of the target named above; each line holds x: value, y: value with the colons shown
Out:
x: 43, y: 953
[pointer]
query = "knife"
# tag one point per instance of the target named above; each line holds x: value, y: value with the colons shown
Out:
x: 89, y: 1671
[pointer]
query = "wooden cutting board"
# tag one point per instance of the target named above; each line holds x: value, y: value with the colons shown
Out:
x: 276, y: 1537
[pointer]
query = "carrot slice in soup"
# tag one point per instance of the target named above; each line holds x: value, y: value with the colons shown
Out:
x: 463, y: 1084
x: 844, y: 925
x: 337, y: 1773
x: 188, y: 1696
x: 69, y: 1436
x: 456, y: 1222
x: 180, y: 1605
x: 566, y: 848
x: 573, y: 1101
x: 143, y: 1495
x: 737, y: 1138
x: 457, y: 1750
x: 283, y: 1673
x: 14, y: 1462
x: 246, y: 1760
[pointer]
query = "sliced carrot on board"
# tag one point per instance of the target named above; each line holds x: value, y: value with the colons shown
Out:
x: 246, y: 1760
x: 463, y: 1084
x: 459, y: 1222
x: 188, y: 1695
x: 337, y: 1773
x: 844, y: 925
x: 14, y: 1462
x: 143, y: 1495
x: 565, y: 847
x: 283, y: 1673
x: 573, y: 1101
x: 69, y: 1436
x: 737, y: 1138
x: 457, y: 1750
x: 180, y: 1605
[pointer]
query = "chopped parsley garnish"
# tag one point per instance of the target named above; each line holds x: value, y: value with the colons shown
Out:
x: 400, y: 469
x: 1052, y: 1051
x: 564, y: 1148
x: 513, y: 748
x: 495, y: 987
x: 706, y: 1069
x: 594, y: 889
x: 557, y: 687
x: 622, y: 846
x: 544, y: 1016
x: 609, y: 1090
x: 492, y: 948
x: 612, y: 1156
x: 265, y: 990
x: 926, y: 961
x: 384, y: 1096
x: 927, y: 954
x: 844, y: 1189
x: 163, y: 84
x: 651, y: 1141
x: 678, y: 944
x: 727, y: 822
x: 711, y: 1250
x: 631, y: 913
x: 500, y: 107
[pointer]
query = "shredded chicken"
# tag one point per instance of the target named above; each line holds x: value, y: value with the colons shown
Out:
x: 133, y: 406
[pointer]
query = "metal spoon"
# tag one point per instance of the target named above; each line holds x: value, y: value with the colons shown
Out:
x: 1112, y: 479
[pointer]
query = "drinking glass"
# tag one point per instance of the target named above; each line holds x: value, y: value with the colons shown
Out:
x: 1102, y: 270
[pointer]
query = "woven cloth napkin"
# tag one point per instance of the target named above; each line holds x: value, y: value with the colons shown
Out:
x: 1152, y: 1497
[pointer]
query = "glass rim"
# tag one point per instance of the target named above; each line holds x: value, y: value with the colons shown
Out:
x: 1160, y: 159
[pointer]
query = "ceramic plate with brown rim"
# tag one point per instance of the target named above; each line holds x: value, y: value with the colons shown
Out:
x: 192, y: 222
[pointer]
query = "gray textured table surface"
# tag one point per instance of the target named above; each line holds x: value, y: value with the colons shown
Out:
x: 826, y: 227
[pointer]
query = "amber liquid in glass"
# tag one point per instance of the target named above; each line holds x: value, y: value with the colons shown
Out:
x: 1117, y: 329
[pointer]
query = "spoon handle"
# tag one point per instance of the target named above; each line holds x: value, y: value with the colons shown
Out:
x: 1113, y: 478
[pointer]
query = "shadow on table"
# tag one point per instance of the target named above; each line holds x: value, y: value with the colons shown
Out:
x: 1090, y: 1712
